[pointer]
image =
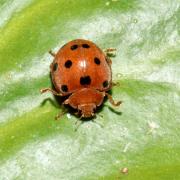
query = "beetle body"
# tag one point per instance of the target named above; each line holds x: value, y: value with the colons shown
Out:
x: 82, y: 72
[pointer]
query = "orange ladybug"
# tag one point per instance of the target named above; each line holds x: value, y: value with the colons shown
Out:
x: 82, y: 72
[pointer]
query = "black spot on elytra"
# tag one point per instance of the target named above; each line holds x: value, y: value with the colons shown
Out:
x: 86, y: 80
x: 73, y: 47
x: 55, y: 66
x: 105, y: 84
x: 64, y: 88
x: 85, y: 46
x: 68, y: 64
x: 97, y: 60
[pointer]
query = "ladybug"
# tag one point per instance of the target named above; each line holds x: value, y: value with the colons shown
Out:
x: 81, y: 71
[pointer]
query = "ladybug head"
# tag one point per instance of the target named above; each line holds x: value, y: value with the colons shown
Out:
x: 87, y: 110
x: 85, y: 100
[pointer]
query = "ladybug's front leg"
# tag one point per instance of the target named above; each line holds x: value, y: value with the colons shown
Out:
x: 112, y: 101
x: 50, y: 90
x: 59, y: 115
x: 110, y: 52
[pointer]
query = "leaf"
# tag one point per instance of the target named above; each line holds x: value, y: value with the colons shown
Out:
x: 142, y: 135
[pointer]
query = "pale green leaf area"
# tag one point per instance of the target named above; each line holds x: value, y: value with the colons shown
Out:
x: 143, y: 134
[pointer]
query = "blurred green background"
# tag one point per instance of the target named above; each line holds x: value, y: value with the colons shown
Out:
x: 142, y: 135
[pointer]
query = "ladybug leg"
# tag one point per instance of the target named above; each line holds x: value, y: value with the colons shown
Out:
x: 77, y: 124
x: 50, y: 90
x: 58, y: 116
x: 77, y: 113
x: 66, y: 101
x: 64, y: 110
x: 108, y: 60
x: 110, y: 52
x: 112, y: 101
x: 51, y: 53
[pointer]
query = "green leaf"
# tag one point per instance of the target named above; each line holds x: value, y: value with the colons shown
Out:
x: 142, y: 135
